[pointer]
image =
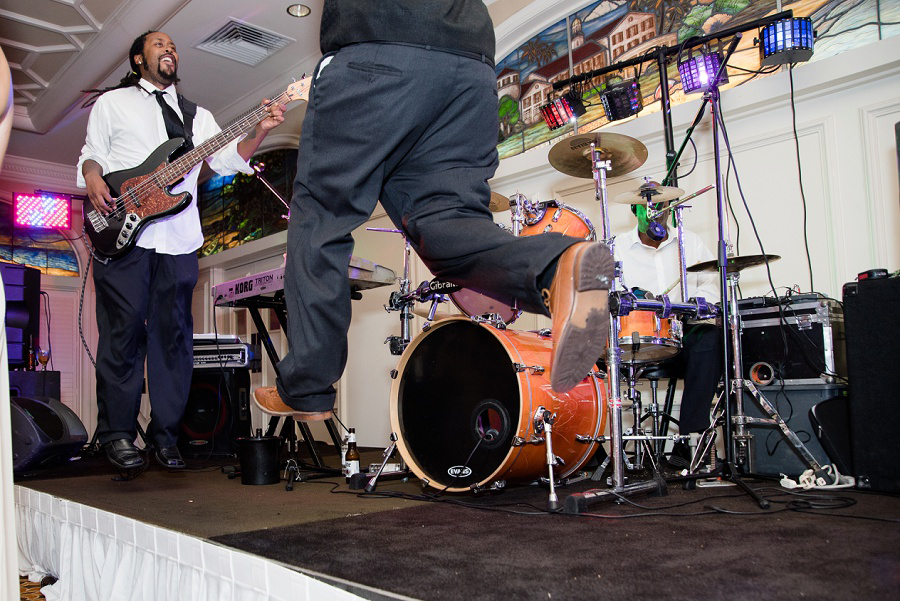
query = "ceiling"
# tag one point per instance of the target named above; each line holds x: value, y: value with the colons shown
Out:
x: 58, y: 48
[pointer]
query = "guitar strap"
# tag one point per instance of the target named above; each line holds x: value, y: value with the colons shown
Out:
x: 189, y: 111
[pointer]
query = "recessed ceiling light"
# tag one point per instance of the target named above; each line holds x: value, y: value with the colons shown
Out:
x: 298, y: 10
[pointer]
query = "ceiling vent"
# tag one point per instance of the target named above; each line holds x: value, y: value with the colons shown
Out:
x: 244, y: 43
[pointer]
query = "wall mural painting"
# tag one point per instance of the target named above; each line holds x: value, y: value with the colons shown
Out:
x: 603, y: 33
x: 47, y: 250
x: 239, y: 208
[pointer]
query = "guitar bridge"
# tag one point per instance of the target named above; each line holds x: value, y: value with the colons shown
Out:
x: 98, y: 221
x: 128, y: 229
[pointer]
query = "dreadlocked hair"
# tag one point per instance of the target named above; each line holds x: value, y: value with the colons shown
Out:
x: 131, y: 78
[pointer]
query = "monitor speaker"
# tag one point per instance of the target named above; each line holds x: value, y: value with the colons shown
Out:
x: 872, y: 325
x: 217, y: 413
x: 44, y: 431
x: 22, y: 287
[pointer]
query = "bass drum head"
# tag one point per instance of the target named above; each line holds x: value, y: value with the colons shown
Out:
x: 456, y: 383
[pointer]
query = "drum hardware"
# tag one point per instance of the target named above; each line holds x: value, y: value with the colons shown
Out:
x: 543, y: 422
x: 518, y: 441
x: 386, y: 456
x: 654, y: 213
x: 535, y: 369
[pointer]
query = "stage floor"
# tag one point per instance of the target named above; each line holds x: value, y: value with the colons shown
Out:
x: 713, y: 542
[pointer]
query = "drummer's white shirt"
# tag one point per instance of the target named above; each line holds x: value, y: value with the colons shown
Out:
x: 124, y: 128
x: 656, y: 269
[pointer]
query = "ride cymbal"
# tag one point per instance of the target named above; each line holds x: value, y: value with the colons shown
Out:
x: 572, y: 155
x: 734, y: 263
x: 648, y: 192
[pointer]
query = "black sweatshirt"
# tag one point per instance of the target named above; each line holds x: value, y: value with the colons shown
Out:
x: 460, y: 25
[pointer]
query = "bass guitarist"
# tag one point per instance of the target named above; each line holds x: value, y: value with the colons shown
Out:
x: 144, y: 295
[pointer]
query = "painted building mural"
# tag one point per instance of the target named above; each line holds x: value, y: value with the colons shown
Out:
x: 238, y: 209
x: 610, y: 31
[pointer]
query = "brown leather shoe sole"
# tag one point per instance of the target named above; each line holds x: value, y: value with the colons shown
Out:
x: 579, y: 306
x: 269, y: 401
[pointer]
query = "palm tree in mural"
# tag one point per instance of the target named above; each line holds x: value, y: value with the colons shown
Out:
x: 668, y: 12
x: 538, y: 52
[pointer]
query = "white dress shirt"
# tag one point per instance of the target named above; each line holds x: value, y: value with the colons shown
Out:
x: 124, y: 128
x: 656, y: 269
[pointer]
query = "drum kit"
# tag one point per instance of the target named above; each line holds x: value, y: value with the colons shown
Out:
x: 471, y: 406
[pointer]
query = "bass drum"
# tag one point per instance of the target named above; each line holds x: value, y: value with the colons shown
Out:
x: 460, y: 380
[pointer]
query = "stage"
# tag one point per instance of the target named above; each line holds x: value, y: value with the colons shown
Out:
x: 196, y: 534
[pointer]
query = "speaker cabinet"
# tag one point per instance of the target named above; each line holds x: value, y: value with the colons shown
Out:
x: 771, y: 453
x: 44, y: 431
x: 217, y: 413
x: 34, y: 384
x: 22, y: 287
x: 872, y: 319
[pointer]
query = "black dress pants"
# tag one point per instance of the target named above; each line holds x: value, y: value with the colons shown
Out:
x: 416, y: 129
x: 700, y: 365
x: 144, y: 312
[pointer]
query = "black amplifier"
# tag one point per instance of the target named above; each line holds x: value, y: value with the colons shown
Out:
x: 797, y: 341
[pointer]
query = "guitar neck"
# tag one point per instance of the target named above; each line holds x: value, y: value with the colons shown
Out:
x: 209, y: 147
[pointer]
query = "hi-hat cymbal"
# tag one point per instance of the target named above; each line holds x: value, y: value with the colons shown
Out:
x: 572, y: 155
x: 648, y: 192
x: 734, y: 263
x: 499, y: 203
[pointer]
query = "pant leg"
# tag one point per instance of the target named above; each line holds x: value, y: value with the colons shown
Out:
x: 438, y: 190
x: 121, y: 287
x: 170, y: 343
x: 416, y: 129
x: 701, y: 364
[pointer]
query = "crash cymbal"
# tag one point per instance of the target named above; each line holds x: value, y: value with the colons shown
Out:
x: 649, y: 192
x: 499, y: 203
x: 572, y: 155
x: 734, y: 263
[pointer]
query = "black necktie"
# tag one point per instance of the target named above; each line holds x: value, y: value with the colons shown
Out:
x: 174, y: 127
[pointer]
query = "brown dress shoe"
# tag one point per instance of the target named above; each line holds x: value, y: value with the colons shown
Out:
x: 269, y: 401
x: 578, y: 300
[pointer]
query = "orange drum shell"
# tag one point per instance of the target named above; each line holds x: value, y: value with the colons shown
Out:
x: 658, y: 339
x: 561, y: 219
x: 577, y: 411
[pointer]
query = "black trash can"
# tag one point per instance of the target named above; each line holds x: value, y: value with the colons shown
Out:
x: 259, y: 459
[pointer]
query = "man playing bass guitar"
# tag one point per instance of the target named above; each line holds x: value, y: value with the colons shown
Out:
x: 144, y: 290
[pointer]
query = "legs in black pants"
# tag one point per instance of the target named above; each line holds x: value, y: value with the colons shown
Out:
x: 144, y: 311
x: 700, y: 365
x: 417, y: 130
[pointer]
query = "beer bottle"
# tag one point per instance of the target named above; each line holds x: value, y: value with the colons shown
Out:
x: 351, y: 459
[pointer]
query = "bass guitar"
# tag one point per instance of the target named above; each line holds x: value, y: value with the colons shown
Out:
x: 143, y: 194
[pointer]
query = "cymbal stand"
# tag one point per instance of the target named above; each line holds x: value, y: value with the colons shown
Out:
x: 578, y: 502
x: 400, y: 300
x: 728, y: 281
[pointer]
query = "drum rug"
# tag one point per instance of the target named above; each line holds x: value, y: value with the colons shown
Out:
x: 709, y: 543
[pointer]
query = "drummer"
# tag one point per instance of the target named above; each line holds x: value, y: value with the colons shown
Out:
x: 650, y: 262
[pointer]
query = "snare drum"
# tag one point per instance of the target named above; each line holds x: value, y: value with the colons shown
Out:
x: 646, y: 338
x: 460, y: 379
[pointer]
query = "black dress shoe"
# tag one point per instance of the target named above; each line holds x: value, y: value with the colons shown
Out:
x: 169, y: 457
x: 123, y: 454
